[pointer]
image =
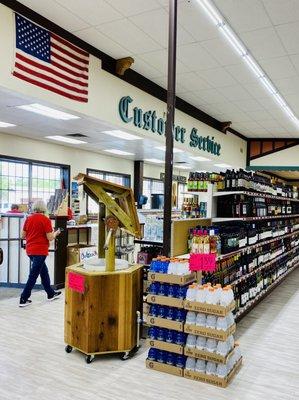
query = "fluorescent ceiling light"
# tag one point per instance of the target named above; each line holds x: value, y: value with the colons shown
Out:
x: 163, y: 148
x: 47, y: 111
x: 239, y: 47
x: 119, y: 152
x: 65, y: 139
x: 223, y: 165
x: 182, y: 167
x: 122, y: 135
x: 6, y: 124
x: 154, y: 160
x: 200, y: 158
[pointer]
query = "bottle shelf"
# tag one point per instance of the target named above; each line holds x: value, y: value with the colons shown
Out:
x: 263, y: 294
x: 254, y: 194
x: 228, y: 219
x: 246, y: 276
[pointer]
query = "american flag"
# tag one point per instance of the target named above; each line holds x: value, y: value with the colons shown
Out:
x: 50, y: 62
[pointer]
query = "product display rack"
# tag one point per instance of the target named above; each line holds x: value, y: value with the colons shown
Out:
x: 254, y: 194
x: 250, y: 219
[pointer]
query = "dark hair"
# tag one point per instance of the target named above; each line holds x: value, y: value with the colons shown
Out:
x: 14, y: 207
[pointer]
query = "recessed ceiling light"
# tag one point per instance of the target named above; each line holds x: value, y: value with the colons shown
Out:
x: 119, y: 152
x: 163, y: 148
x: 200, y: 158
x: 153, y: 160
x: 223, y: 165
x: 47, y: 111
x: 122, y: 135
x: 6, y: 124
x: 65, y: 139
x: 182, y: 167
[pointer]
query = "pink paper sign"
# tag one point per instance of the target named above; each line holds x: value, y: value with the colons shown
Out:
x: 76, y: 282
x: 202, y: 262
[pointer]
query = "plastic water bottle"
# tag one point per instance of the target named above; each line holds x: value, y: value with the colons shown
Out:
x: 154, y: 288
x: 200, y: 366
x: 223, y: 348
x: 201, y: 319
x: 153, y: 265
x: 191, y: 341
x: 231, y: 342
x: 163, y: 289
x: 191, y: 318
x: 201, y: 294
x: 230, y: 293
x: 221, y: 371
x: 211, y: 345
x: 181, y: 293
x: 154, y: 310
x: 238, y: 353
x: 191, y: 292
x: 180, y: 339
x: 201, y: 343
x: 170, y: 359
x: 169, y: 337
x: 184, y: 267
x: 211, y: 297
x: 172, y: 290
x: 180, y: 315
x: 152, y: 333
x: 190, y: 363
x: 225, y: 297
x: 221, y: 324
x: 161, y: 356
x: 230, y: 319
x: 230, y: 364
x: 152, y: 354
x: 218, y: 291
x: 171, y: 313
x: 211, y: 368
x: 161, y: 334
x: 162, y: 311
x: 180, y: 361
x: 171, y: 266
x: 211, y: 321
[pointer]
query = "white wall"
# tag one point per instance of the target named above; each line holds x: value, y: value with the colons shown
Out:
x: 283, y: 158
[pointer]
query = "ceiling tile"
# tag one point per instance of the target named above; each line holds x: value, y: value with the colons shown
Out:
x: 295, y: 60
x: 158, y: 59
x: 259, y: 115
x: 257, y: 90
x: 221, y: 50
x: 270, y: 124
x: 249, y: 105
x: 279, y: 67
x: 288, y: 34
x: 244, y: 15
x: 239, y: 116
x: 217, y: 77
x: 85, y: 10
x: 102, y: 42
x: 288, y: 86
x: 224, y: 107
x: 144, y: 68
x: 196, y: 57
x: 126, y: 34
x: 241, y: 73
x: 211, y: 96
x: 133, y: 7
x: 192, y: 17
x: 235, y: 93
x: 155, y: 24
x: 162, y: 81
x: 56, y: 13
x: 193, y: 99
x: 282, y: 11
x: 192, y: 81
x: 263, y: 43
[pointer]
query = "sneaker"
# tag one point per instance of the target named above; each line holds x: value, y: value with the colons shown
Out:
x: 55, y: 296
x: 24, y: 303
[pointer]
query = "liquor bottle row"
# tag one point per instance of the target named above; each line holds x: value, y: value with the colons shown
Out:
x: 198, y: 181
x: 242, y: 206
x: 204, y: 241
x: 193, y: 209
x: 248, y: 289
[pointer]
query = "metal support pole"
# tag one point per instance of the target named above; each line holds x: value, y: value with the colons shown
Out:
x: 172, y: 36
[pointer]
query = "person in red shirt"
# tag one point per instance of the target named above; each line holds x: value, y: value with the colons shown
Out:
x: 38, y: 232
x: 14, y: 209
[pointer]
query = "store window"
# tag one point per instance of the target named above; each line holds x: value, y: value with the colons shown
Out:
x: 23, y: 182
x: 182, y: 188
x: 120, y: 179
x: 152, y: 186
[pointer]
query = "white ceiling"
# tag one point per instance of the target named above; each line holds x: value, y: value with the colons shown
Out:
x: 209, y: 73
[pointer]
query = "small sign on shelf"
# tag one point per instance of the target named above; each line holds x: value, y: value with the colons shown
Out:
x: 202, y: 262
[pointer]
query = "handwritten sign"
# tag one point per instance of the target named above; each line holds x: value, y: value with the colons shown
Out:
x: 88, y: 252
x: 76, y: 282
x: 202, y: 262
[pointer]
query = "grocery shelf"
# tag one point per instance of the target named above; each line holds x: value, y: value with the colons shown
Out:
x: 228, y: 219
x: 144, y: 241
x: 246, y: 276
x: 254, y: 194
x: 249, y: 306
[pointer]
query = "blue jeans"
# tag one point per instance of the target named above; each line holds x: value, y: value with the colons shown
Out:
x: 38, y: 267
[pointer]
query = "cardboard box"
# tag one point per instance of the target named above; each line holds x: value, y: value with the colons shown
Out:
x: 208, y: 332
x: 165, y: 301
x: 171, y: 347
x: 209, y: 308
x: 78, y: 253
x: 165, y: 323
x: 214, y: 380
x: 206, y: 355
x: 175, y: 279
x: 169, y: 369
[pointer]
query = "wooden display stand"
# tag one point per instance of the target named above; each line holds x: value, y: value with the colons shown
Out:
x: 102, y: 316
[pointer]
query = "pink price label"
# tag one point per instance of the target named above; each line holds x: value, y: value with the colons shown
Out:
x: 76, y: 282
x: 202, y: 262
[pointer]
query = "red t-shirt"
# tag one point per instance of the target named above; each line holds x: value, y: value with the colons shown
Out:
x: 36, y: 227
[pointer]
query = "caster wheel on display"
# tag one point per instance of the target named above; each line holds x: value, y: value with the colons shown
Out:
x: 89, y: 359
x: 125, y: 356
x: 68, y: 348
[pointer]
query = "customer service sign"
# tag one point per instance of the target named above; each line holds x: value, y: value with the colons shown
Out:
x: 149, y: 121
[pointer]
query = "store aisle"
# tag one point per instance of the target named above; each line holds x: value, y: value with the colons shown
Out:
x: 34, y: 365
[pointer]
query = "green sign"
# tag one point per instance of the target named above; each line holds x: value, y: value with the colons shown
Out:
x: 149, y: 121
